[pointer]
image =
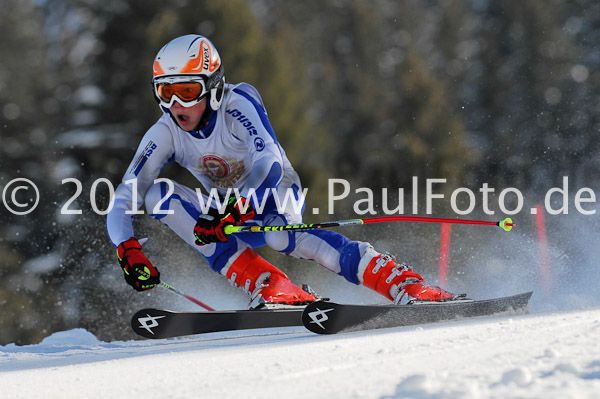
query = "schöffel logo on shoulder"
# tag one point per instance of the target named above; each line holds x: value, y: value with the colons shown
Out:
x: 237, y: 114
x: 139, y: 163
x: 259, y: 144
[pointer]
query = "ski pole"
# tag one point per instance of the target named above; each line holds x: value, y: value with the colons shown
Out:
x: 171, y: 288
x: 186, y: 296
x: 506, y: 224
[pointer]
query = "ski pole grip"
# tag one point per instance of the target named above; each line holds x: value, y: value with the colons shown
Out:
x: 230, y: 229
x: 506, y: 224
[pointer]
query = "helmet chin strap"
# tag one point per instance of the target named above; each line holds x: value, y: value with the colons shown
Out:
x: 204, y: 119
x: 213, y: 102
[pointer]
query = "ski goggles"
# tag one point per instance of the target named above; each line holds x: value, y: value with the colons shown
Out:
x: 185, y: 90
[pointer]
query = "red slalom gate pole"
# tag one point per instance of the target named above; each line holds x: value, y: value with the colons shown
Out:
x: 444, y: 252
x: 543, y: 252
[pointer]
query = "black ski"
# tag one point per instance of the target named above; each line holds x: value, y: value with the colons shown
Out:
x: 155, y: 323
x: 329, y: 318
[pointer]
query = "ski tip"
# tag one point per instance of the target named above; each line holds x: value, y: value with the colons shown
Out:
x: 507, y: 224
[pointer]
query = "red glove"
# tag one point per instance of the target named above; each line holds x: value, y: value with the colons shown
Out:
x: 211, y: 226
x: 139, y: 272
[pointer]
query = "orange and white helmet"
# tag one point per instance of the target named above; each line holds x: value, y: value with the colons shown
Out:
x: 186, y: 70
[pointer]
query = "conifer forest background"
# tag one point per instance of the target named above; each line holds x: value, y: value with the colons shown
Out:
x: 505, y: 93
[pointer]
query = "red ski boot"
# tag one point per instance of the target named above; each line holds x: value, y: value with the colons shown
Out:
x: 382, y: 274
x: 265, y: 283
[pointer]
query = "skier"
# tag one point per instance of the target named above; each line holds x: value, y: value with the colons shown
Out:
x: 220, y: 132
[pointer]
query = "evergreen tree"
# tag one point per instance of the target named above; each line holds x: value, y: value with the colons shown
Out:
x: 386, y: 117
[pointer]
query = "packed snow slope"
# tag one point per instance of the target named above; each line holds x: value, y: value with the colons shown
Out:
x: 516, y: 356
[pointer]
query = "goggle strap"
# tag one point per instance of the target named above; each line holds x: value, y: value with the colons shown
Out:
x: 215, y: 78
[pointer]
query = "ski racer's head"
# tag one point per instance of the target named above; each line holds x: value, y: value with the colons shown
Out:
x: 188, y: 72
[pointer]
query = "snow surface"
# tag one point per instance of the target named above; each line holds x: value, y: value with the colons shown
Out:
x: 519, y: 356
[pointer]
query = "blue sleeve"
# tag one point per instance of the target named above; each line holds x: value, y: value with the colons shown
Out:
x: 155, y: 150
